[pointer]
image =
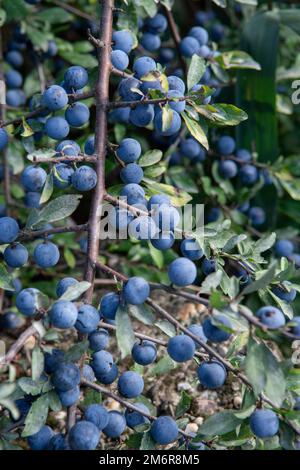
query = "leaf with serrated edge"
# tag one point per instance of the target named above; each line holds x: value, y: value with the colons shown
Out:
x: 196, y: 130
x: 124, y: 332
x: 196, y: 71
x: 37, y: 363
x: 262, y: 282
x: 37, y: 416
x: 150, y: 158
x: 75, y: 291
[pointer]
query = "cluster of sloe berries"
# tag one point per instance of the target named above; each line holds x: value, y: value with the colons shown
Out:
x: 239, y: 163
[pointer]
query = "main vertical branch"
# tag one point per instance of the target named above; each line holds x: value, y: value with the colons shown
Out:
x: 102, y: 100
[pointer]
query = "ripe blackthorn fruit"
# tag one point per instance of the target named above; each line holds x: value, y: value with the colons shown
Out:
x: 144, y: 352
x: 84, y: 178
x: 96, y: 414
x: 182, y: 272
x: 15, y: 255
x: 84, y: 435
x: 212, y: 374
x: 191, y: 249
x: 99, y: 339
x: 66, y: 376
x: 28, y: 302
x: 164, y: 430
x: 271, y: 317
x: 109, y: 305
x: 63, y: 314
x: 88, y: 319
x: 264, y: 423
x: 129, y: 150
x: 136, y: 290
x: 69, y: 397
x: 46, y: 254
x: 181, y: 348
x: 116, y: 424
x: 213, y: 332
x: 41, y: 439
x: 9, y: 230
x: 64, y: 284
x: 134, y: 418
x: 130, y: 384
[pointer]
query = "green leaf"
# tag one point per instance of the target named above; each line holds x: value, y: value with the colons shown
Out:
x: 264, y: 243
x: 37, y: 416
x: 38, y: 38
x: 142, y: 313
x: 196, y: 70
x: 183, y: 405
x: 10, y: 405
x: 27, y: 131
x: 233, y: 241
x: 83, y: 46
x: 57, y: 209
x: 150, y: 6
x: 262, y: 281
x: 219, y: 424
x: 155, y: 171
x: 47, y: 189
x: 30, y: 386
x: 85, y: 60
x: 247, y: 2
x: 129, y: 21
x: 222, y: 114
x: 255, y: 367
x: 237, y: 344
x: 54, y: 401
x: 163, y: 366
x: 2, y: 17
x: 76, y: 351
x: 167, y: 327
x: 156, y: 255
x: 6, y: 280
x: 237, y: 60
x: 264, y: 372
x: 147, y: 442
x: 290, y: 18
x: 178, y: 197
x: 220, y: 3
x: 134, y: 440
x: 124, y: 332
x: 211, y: 282
x: 287, y: 436
x: 196, y: 130
x: 167, y: 117
x: 54, y: 15
x: 6, y: 389
x: 15, y: 10
x: 69, y: 257
x: 182, y: 180
x: 150, y: 158
x: 167, y: 3
x: 290, y: 184
x: 285, y: 307
x: 91, y: 396
x: 37, y: 363
x: 75, y: 291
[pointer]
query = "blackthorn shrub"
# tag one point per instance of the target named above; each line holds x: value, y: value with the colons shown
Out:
x: 149, y: 225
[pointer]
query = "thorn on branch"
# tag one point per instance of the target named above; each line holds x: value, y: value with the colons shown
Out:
x: 96, y: 42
